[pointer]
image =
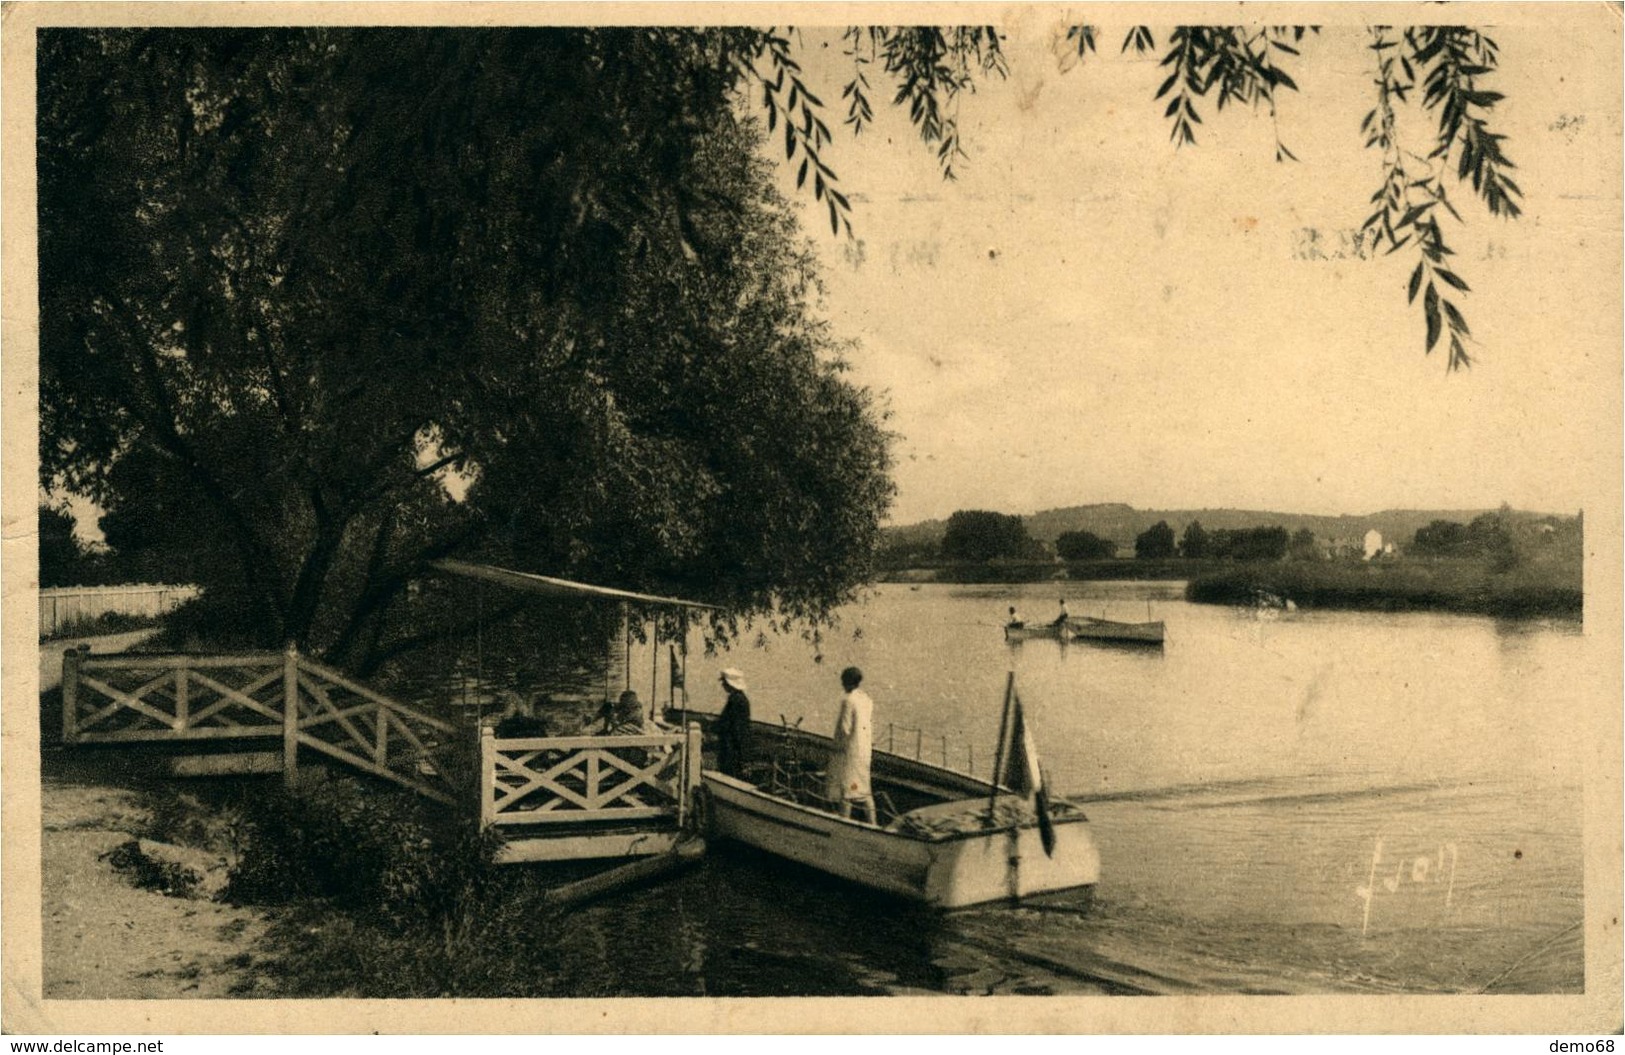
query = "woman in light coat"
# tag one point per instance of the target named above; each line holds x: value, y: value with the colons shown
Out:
x: 854, y: 738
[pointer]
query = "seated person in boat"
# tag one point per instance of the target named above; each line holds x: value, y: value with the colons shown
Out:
x: 733, y: 727
x: 1015, y: 621
x: 849, y: 762
x: 625, y: 716
x: 1061, y: 620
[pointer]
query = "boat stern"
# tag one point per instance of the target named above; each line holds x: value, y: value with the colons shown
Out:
x: 1011, y: 864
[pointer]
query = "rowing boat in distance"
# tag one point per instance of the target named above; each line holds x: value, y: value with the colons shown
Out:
x: 1090, y: 629
x: 942, y: 838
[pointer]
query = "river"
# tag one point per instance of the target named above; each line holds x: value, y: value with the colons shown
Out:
x: 1320, y: 802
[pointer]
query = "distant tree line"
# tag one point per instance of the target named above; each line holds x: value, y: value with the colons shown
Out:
x: 63, y: 559
x: 979, y: 536
x: 66, y: 560
x: 1486, y: 536
x: 1256, y: 543
x: 1503, y: 538
x: 1084, y: 545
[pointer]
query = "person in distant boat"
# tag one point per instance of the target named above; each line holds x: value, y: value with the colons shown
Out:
x: 1015, y: 619
x: 733, y: 727
x: 854, y: 735
x: 1061, y: 619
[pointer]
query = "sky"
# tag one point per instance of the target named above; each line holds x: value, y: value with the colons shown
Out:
x: 1089, y: 315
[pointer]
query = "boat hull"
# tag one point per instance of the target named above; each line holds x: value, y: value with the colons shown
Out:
x: 1091, y: 630
x: 952, y: 872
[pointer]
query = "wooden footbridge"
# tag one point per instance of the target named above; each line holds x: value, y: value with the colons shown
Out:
x: 553, y: 798
x: 256, y: 713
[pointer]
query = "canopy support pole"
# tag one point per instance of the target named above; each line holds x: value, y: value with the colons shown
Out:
x: 654, y: 665
x: 998, y: 756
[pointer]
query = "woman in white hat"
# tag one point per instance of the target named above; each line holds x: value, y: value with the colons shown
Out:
x: 733, y: 728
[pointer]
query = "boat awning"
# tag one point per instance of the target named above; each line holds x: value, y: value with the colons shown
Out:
x: 550, y: 587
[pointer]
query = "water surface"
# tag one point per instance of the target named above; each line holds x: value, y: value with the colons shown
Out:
x: 1322, y: 802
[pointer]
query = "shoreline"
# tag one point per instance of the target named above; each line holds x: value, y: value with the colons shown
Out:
x: 1463, y: 587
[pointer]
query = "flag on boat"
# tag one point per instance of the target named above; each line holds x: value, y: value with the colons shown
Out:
x: 676, y: 670
x: 1025, y: 776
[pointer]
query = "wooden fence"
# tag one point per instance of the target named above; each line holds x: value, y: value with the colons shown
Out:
x: 551, y: 780
x: 62, y: 608
x: 255, y: 697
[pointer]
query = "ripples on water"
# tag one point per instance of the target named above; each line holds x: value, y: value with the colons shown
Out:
x: 1329, y: 802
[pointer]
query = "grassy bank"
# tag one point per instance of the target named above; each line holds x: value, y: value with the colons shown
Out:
x: 372, y: 896
x: 106, y: 623
x: 1444, y: 585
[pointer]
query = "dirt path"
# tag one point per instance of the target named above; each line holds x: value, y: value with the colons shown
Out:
x: 50, y: 652
x: 107, y: 939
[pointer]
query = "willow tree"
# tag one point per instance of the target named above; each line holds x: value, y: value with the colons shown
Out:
x: 343, y: 302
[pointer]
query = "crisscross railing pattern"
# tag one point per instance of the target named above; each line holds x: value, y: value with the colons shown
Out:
x: 547, y: 780
x: 359, y: 726
x: 174, y: 698
x: 121, y: 699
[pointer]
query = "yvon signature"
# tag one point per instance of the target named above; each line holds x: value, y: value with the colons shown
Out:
x: 1422, y: 870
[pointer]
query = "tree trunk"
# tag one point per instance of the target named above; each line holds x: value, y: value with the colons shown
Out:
x: 307, y: 592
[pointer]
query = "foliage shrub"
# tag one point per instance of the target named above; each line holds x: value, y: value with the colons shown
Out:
x: 497, y: 942
x: 1459, y: 586
x: 166, y: 877
x: 106, y: 623
x: 220, y: 620
x: 385, y: 899
x: 364, y: 848
x: 183, y: 819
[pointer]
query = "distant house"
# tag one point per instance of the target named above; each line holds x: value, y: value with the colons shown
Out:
x: 1341, y: 549
x: 1373, y: 543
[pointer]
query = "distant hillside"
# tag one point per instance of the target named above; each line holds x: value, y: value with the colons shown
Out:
x: 1121, y: 523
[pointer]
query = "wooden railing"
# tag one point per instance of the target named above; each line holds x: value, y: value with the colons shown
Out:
x: 255, y: 696
x: 549, y: 780
x: 907, y: 741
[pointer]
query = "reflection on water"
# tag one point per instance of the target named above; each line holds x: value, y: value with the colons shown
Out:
x: 1248, y: 895
x: 514, y: 645
x: 1319, y: 802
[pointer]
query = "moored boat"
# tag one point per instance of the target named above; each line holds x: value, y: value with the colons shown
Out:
x: 1090, y: 629
x: 943, y: 838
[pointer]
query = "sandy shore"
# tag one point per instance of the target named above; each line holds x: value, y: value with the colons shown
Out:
x: 105, y: 938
